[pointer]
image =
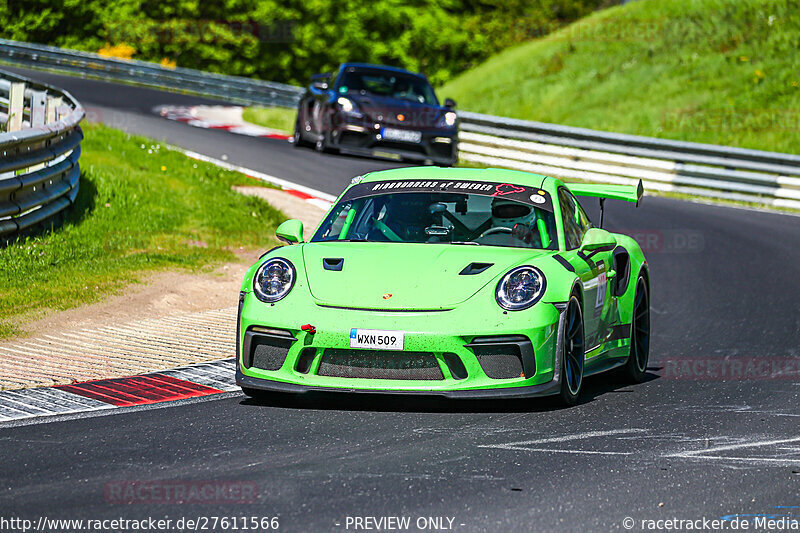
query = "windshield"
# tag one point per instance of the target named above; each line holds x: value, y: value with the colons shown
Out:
x: 441, y: 217
x: 388, y: 84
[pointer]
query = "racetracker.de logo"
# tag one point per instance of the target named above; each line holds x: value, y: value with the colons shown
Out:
x: 180, y: 492
x: 732, y: 369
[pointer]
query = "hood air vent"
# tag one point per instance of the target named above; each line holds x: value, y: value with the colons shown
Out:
x: 333, y: 263
x: 474, y: 268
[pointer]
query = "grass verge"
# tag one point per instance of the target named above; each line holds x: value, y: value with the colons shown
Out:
x: 277, y: 118
x: 712, y: 71
x: 140, y: 208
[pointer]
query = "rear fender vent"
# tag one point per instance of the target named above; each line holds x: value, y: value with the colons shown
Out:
x: 622, y: 265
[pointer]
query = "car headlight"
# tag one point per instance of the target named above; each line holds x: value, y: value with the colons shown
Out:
x: 520, y: 288
x: 348, y: 106
x: 450, y: 118
x: 273, y: 280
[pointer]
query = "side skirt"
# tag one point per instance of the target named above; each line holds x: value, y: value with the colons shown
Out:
x: 603, y: 365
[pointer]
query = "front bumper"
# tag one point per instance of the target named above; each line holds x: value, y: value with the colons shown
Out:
x: 435, y: 334
x: 531, y: 391
x: 437, y: 146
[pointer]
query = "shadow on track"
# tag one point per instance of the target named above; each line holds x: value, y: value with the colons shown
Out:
x: 594, y: 387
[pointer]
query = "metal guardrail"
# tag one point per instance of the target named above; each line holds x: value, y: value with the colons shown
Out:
x: 663, y: 165
x: 560, y: 151
x: 234, y: 89
x: 39, y: 152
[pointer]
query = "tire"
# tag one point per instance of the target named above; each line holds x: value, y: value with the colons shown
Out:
x: 298, y: 136
x: 636, y: 366
x: 321, y: 145
x: 572, y: 354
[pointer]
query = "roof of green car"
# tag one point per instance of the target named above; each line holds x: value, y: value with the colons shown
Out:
x: 500, y: 175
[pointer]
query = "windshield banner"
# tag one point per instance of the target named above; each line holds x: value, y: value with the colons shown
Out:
x: 520, y: 193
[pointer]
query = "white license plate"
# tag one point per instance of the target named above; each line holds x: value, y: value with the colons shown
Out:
x: 402, y: 135
x: 377, y: 339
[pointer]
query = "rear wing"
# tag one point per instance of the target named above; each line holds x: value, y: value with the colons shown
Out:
x: 629, y: 193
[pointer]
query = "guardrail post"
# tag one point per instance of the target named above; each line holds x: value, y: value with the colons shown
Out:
x: 38, y: 99
x: 16, y: 106
x: 50, y: 110
x: 58, y: 107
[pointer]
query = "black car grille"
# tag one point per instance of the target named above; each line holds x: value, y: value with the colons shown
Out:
x: 356, y: 140
x: 442, y: 150
x: 401, y: 147
x: 376, y: 364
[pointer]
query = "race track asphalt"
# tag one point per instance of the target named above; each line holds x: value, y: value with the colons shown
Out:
x: 684, y: 444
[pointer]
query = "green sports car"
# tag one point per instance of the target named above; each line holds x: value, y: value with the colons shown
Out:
x: 463, y: 283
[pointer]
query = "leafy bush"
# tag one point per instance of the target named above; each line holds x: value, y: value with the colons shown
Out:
x: 287, y: 40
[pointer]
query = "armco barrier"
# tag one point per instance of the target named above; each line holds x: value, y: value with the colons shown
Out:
x: 561, y: 151
x: 228, y: 88
x: 39, y: 149
x: 663, y: 165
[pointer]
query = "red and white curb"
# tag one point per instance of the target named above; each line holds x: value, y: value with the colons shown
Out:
x: 318, y: 198
x: 199, y: 116
x: 203, y: 379
x: 191, y: 115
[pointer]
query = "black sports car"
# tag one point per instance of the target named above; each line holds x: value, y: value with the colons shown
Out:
x: 378, y: 111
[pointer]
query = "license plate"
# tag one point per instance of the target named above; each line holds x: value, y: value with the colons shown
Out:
x: 408, y: 136
x: 377, y: 339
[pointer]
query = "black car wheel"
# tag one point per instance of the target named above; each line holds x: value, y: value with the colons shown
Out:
x: 572, y: 354
x: 298, y: 136
x: 636, y: 365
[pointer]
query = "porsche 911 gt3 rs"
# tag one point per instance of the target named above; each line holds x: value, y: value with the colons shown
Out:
x: 464, y: 283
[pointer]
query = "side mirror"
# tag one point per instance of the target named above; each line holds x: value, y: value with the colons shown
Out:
x: 449, y: 103
x: 320, y: 81
x: 597, y: 238
x: 290, y: 232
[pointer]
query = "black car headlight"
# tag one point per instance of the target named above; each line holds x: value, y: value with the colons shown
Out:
x: 348, y: 107
x: 448, y: 120
x: 273, y: 280
x: 520, y: 288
